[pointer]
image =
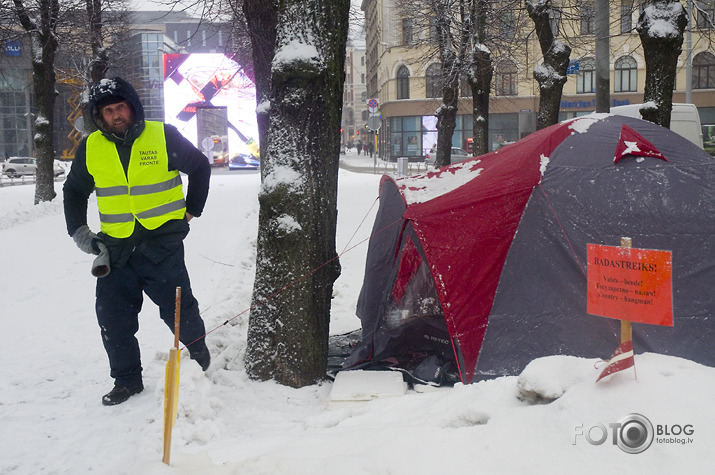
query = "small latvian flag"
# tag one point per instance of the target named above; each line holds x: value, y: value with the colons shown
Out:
x: 622, y: 359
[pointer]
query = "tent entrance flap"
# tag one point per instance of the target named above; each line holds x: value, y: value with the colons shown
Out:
x: 411, y: 332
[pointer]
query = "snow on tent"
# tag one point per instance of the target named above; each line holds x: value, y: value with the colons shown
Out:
x: 475, y: 269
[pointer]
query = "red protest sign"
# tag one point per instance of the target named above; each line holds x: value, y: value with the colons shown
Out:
x: 630, y: 284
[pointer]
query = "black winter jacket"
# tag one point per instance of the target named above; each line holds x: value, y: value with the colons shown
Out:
x: 183, y: 156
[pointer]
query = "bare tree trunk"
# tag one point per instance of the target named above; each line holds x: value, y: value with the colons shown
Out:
x: 447, y: 112
x: 446, y: 123
x: 551, y: 75
x: 661, y: 48
x: 296, y: 257
x: 42, y: 31
x: 480, y: 78
x: 99, y: 62
x: 261, y: 20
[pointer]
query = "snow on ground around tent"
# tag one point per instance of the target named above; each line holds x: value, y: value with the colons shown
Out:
x: 54, y: 372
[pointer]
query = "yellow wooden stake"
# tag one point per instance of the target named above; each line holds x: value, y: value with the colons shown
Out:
x: 171, y: 383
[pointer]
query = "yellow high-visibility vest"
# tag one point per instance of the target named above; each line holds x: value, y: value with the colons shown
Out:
x: 148, y: 192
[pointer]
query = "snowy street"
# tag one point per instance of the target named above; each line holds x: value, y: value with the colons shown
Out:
x: 54, y: 371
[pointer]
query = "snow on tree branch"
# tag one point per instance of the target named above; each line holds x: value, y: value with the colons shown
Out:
x: 661, y: 19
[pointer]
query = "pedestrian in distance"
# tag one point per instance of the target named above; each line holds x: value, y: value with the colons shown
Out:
x: 134, y: 165
x: 359, y: 146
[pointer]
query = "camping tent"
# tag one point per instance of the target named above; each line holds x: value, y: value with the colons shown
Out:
x: 475, y: 269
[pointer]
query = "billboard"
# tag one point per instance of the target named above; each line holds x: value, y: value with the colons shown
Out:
x: 212, y: 102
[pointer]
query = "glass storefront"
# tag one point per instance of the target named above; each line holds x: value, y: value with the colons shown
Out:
x: 16, y: 122
x: 416, y: 136
x: 406, y: 136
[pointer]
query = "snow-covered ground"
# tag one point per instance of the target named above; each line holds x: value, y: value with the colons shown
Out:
x: 54, y: 372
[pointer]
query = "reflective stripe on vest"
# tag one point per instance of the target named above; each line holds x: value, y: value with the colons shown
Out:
x: 151, y: 194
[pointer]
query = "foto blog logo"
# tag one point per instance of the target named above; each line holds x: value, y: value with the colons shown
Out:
x: 634, y: 433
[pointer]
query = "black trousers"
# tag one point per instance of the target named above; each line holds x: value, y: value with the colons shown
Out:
x: 119, y: 300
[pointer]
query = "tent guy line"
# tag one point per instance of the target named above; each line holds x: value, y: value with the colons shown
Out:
x: 294, y: 282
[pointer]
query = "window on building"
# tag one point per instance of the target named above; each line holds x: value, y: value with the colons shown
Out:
x: 406, y: 31
x: 505, y: 78
x: 15, y: 124
x: 626, y: 16
x: 588, y: 19
x: 362, y: 78
x: 433, y: 81
x: 507, y: 29
x: 704, y: 71
x: 585, y: 78
x: 464, y: 87
x: 403, y: 83
x: 362, y: 60
x: 364, y: 96
x: 405, y: 136
x: 626, y: 75
x: 706, y: 14
x: 555, y: 20
x: 433, y: 29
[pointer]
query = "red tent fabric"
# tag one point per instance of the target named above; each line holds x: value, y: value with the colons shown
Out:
x: 501, y: 240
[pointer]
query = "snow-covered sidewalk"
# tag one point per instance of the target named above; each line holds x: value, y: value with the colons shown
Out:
x: 54, y: 372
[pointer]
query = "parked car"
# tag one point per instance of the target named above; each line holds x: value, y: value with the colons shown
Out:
x: 243, y: 161
x: 19, y: 166
x: 457, y: 155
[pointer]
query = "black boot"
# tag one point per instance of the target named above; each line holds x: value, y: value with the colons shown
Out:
x: 120, y: 394
x: 199, y: 351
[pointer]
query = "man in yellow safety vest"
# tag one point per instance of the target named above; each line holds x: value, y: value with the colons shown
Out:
x: 134, y: 166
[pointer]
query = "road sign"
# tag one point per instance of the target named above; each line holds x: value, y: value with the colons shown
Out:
x: 372, y: 105
x: 207, y: 143
x: 373, y: 122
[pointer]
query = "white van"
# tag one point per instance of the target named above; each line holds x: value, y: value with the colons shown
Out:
x: 684, y: 120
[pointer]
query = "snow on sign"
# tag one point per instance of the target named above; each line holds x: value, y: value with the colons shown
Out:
x: 630, y: 284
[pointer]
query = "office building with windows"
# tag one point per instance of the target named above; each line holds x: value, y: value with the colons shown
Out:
x: 406, y: 77
x: 355, y: 115
x: 136, y: 56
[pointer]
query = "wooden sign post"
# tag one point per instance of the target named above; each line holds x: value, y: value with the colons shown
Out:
x: 171, y: 382
x: 632, y: 285
x: 626, y: 327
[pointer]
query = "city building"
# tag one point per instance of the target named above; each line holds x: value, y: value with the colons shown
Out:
x: 16, y: 99
x: 355, y: 114
x: 136, y: 56
x: 405, y: 78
